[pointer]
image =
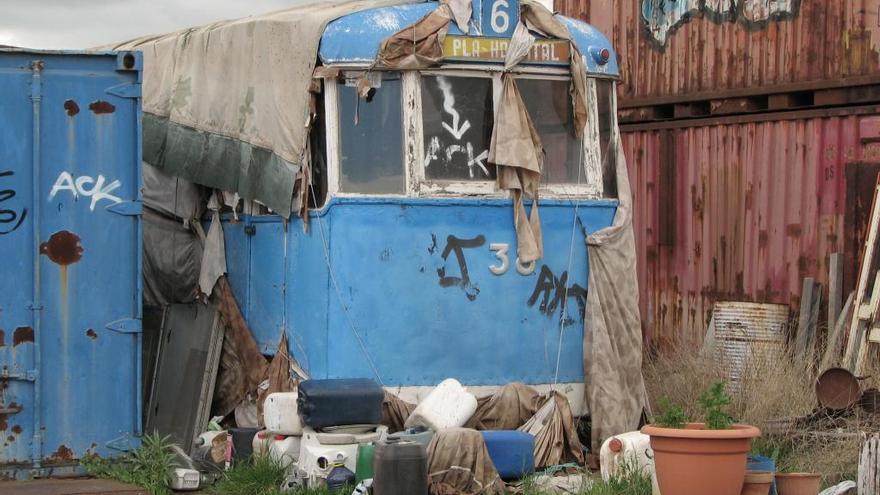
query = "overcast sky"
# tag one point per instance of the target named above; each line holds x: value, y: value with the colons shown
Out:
x: 89, y: 23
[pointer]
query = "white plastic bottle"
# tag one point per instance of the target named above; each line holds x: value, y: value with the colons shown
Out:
x: 262, y: 442
x: 632, y: 449
x: 285, y: 450
x: 447, y: 406
x: 280, y: 413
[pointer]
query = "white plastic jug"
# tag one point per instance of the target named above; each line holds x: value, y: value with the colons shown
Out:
x: 449, y: 405
x: 633, y: 448
x: 280, y: 414
x: 262, y: 442
x: 285, y: 450
x: 320, y: 450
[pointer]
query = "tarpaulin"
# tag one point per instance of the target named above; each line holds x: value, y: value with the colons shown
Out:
x: 395, y: 411
x: 556, y: 439
x: 507, y: 409
x: 172, y: 255
x: 459, y: 464
x: 227, y: 104
x: 278, y: 376
x: 615, y: 387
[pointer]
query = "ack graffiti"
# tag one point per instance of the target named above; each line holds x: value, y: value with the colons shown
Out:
x: 95, y: 189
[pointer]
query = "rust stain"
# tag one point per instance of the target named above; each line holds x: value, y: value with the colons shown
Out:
x: 101, y: 107
x: 91, y: 334
x: 3, y: 422
x: 2, y: 338
x: 22, y: 335
x: 71, y: 108
x: 10, y: 439
x: 793, y: 230
x: 63, y: 453
x: 16, y: 429
x: 63, y: 248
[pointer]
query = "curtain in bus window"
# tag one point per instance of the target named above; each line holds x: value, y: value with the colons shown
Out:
x: 371, y: 138
x: 458, y: 118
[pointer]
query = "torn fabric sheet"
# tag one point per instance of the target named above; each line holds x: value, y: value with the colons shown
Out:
x: 556, y: 439
x: 516, y: 151
x: 507, y: 409
x: 459, y: 464
x: 172, y: 254
x: 395, y: 411
x: 213, y: 114
x: 278, y: 376
x: 213, y: 264
x: 615, y: 388
x: 419, y: 45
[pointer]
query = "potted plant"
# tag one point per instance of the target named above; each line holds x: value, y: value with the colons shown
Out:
x: 700, y: 458
x: 791, y: 482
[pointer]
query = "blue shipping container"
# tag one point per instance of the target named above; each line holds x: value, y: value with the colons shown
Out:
x: 70, y: 242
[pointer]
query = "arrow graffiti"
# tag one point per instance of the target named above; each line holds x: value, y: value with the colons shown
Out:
x: 449, y: 106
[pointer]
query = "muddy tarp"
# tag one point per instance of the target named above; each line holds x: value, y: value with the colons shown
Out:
x: 172, y: 259
x: 242, y: 367
x: 459, y: 464
x: 395, y: 411
x: 615, y: 388
x: 278, y: 377
x: 226, y: 105
x: 507, y: 409
x: 556, y: 438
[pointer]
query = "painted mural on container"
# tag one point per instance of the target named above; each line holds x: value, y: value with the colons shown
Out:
x: 662, y: 17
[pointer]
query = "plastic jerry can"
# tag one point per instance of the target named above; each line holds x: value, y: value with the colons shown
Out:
x: 262, y: 442
x: 285, y: 450
x: 280, y: 414
x: 340, y: 476
x: 400, y: 468
x: 364, y: 463
x: 337, y: 402
x: 418, y: 434
x: 512, y: 452
x: 449, y: 405
x: 633, y: 447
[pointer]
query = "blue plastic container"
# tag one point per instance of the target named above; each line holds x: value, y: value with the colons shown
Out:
x: 512, y: 452
x: 70, y: 241
x: 323, y: 403
x: 761, y: 463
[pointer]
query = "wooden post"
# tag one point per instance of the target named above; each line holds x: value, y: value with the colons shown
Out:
x: 835, y: 288
x: 811, y: 296
x: 869, y: 466
x: 835, y: 336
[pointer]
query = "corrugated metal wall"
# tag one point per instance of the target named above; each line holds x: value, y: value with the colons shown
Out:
x: 752, y: 209
x: 804, y: 41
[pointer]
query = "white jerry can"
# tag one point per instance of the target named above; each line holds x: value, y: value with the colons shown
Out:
x: 449, y: 405
x: 280, y: 414
x: 633, y: 448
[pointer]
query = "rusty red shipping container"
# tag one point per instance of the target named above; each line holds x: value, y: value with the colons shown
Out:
x: 743, y: 209
x: 695, y: 47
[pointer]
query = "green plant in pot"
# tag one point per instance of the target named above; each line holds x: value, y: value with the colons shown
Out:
x: 693, y: 458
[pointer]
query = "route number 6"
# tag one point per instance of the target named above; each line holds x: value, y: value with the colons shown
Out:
x: 500, y: 17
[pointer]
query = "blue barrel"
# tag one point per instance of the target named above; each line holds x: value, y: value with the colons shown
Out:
x: 512, y: 452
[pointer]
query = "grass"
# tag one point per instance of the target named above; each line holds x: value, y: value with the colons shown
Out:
x: 148, y: 467
x: 262, y: 475
x: 764, y: 395
x: 631, y: 481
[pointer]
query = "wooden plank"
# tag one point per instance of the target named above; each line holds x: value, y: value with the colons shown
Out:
x: 856, y: 349
x: 666, y: 194
x: 869, y: 466
x: 835, y: 288
x: 835, y: 337
x: 806, y: 332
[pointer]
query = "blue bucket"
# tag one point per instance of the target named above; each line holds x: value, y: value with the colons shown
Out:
x: 761, y: 463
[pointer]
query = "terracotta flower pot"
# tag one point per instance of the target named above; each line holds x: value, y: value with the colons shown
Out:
x: 757, y: 483
x: 798, y: 483
x: 696, y: 461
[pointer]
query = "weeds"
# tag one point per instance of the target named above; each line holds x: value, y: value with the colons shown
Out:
x: 631, y: 480
x: 671, y: 415
x: 260, y: 475
x: 148, y: 467
x: 713, y: 403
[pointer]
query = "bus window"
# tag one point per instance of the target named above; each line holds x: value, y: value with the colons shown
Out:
x: 457, y: 115
x: 549, y: 104
x: 371, y: 150
x: 607, y: 123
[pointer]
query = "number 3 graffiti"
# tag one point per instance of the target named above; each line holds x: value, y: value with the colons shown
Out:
x: 8, y: 216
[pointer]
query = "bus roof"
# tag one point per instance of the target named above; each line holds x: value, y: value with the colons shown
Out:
x: 355, y: 38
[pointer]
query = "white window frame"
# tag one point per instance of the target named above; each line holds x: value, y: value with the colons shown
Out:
x: 416, y: 184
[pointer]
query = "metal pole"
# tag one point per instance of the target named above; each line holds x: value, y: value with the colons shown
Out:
x: 37, y: 304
